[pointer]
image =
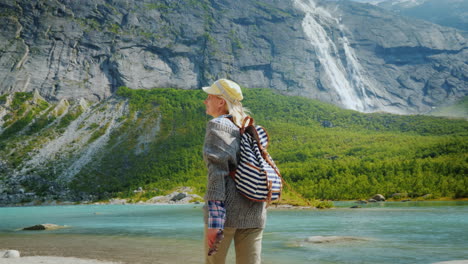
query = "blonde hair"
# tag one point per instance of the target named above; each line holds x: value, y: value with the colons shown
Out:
x: 238, y: 112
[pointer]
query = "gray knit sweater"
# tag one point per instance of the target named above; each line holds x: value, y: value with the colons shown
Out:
x: 221, y: 152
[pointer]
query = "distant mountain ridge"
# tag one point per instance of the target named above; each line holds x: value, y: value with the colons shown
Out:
x: 449, y: 13
x: 353, y: 55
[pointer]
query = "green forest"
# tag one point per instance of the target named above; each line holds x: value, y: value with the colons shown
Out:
x: 322, y: 151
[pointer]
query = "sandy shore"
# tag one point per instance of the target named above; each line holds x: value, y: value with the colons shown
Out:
x: 73, y: 260
x: 51, y: 260
x: 99, y: 249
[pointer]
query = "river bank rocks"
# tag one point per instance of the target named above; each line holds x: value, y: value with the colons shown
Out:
x: 289, y: 206
x: 18, y: 197
x: 401, y: 197
x: 176, y: 197
x: 182, y: 195
x: 374, y: 199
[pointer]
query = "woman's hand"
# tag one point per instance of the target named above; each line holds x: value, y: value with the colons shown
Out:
x: 211, y: 236
x: 214, y: 237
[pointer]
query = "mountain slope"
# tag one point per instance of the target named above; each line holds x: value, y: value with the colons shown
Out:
x: 449, y: 13
x: 353, y: 55
x: 459, y: 109
x: 74, y: 150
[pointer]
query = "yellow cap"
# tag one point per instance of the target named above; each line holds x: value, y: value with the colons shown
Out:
x: 226, y: 88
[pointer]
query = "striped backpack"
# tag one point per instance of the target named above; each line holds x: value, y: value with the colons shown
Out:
x: 256, y: 176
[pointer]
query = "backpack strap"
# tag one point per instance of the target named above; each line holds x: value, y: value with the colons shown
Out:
x: 241, y: 130
x: 248, y: 121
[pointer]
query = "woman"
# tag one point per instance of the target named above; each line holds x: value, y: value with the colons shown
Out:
x: 226, y: 211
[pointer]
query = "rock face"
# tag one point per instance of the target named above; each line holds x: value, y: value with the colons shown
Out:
x: 406, y: 58
x: 350, y: 54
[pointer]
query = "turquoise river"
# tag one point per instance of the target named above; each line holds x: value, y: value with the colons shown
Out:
x: 389, y: 232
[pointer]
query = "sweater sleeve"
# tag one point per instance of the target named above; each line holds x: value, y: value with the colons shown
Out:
x: 218, y: 151
x: 216, y: 215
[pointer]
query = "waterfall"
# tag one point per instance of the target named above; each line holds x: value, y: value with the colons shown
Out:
x: 348, y: 82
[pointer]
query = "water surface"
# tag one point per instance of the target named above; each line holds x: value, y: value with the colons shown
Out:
x: 391, y: 232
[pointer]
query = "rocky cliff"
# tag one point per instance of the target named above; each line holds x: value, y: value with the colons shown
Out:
x: 354, y: 55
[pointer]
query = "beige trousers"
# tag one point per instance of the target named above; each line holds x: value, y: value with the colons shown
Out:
x: 248, y: 244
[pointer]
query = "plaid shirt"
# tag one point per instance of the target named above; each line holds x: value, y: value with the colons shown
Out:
x: 216, y: 214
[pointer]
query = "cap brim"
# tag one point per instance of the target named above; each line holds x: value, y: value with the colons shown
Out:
x: 211, y: 90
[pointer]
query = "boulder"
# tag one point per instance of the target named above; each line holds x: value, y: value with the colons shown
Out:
x: 44, y: 227
x: 379, y: 198
x: 11, y: 254
x: 178, y: 197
